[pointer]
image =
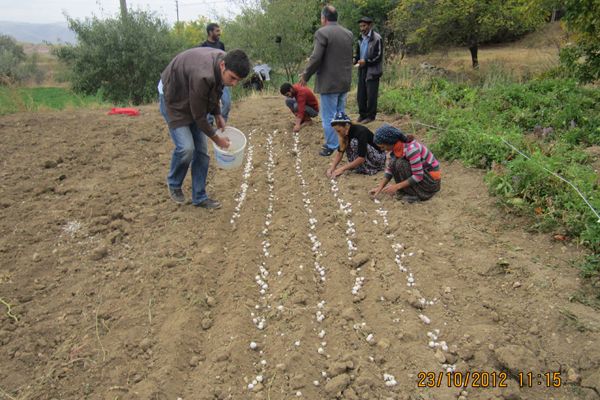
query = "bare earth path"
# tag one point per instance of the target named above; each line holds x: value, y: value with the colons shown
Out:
x: 118, y: 293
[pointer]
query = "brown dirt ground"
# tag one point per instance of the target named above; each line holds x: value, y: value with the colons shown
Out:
x: 122, y: 294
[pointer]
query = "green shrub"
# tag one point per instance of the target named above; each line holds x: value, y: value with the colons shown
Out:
x: 121, y: 57
x: 582, y: 58
x: 11, y: 56
x: 559, y: 104
x: 591, y: 267
x: 476, y: 122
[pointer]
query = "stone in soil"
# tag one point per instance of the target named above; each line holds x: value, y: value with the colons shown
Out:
x: 516, y: 358
x: 99, y: 253
x: 337, y: 384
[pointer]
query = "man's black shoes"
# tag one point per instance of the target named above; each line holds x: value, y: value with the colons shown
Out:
x: 177, y: 195
x: 209, y: 204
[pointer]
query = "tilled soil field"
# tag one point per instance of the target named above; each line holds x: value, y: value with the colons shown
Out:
x: 299, y: 287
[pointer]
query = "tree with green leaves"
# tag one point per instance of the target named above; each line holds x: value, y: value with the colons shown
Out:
x: 351, y: 11
x: 120, y: 57
x: 192, y: 33
x: 427, y: 23
x: 279, y: 33
x: 11, y: 56
x: 583, y: 56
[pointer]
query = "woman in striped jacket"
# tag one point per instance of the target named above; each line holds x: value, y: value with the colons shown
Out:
x: 414, y: 168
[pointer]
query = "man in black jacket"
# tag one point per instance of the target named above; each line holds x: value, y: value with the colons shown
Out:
x: 369, y: 61
x: 213, y: 40
x: 213, y: 32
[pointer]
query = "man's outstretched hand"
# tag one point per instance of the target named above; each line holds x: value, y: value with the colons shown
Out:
x: 302, y: 81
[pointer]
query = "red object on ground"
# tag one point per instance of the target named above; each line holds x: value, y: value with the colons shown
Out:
x: 132, y: 112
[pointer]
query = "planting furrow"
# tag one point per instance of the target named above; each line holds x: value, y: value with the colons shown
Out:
x: 346, y: 209
x: 353, y: 365
x: 281, y: 315
x: 248, y: 167
x: 400, y: 255
x: 285, y: 343
x: 362, y: 328
x: 226, y: 360
x: 433, y: 336
x: 320, y: 269
x: 372, y: 325
x: 261, y: 310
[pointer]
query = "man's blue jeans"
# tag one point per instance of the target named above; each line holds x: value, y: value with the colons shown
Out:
x: 331, y: 103
x: 190, y: 148
x: 226, y: 102
x: 292, y: 104
x: 225, y: 105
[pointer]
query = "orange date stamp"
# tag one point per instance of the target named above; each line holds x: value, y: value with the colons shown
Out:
x: 485, y: 379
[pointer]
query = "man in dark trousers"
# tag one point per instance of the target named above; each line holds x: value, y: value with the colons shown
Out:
x: 302, y: 103
x: 213, y: 39
x: 369, y: 61
x: 190, y: 88
x: 331, y: 60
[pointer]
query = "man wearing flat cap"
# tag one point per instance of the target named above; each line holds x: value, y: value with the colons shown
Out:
x: 369, y: 60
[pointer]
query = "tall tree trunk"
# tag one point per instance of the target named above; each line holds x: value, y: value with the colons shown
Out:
x: 123, y: 8
x: 473, y: 49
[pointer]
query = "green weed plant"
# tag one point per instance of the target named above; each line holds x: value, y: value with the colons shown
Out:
x: 551, y: 120
x: 43, y: 98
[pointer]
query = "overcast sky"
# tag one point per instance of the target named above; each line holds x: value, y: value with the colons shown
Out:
x: 48, y: 11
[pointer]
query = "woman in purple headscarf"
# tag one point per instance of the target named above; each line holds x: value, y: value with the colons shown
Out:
x: 414, y: 168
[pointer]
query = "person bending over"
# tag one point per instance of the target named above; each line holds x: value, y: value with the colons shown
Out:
x: 413, y: 166
x: 364, y: 157
x: 189, y: 89
x: 302, y: 102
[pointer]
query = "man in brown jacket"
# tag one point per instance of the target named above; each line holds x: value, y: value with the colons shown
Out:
x: 331, y: 60
x: 190, y: 88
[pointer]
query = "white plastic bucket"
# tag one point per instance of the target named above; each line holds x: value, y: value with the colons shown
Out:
x: 234, y: 155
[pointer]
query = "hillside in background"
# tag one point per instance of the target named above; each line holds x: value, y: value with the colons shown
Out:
x: 38, y: 33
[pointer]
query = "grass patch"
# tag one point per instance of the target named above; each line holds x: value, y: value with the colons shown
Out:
x: 591, y: 269
x: 570, y: 319
x: 43, y: 98
x: 551, y: 120
x: 587, y: 298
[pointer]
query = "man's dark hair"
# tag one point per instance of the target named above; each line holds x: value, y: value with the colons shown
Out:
x: 237, y: 61
x: 330, y: 13
x: 211, y: 27
x: 286, y: 87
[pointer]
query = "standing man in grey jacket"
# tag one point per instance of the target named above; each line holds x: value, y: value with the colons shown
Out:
x: 369, y: 60
x: 331, y: 60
